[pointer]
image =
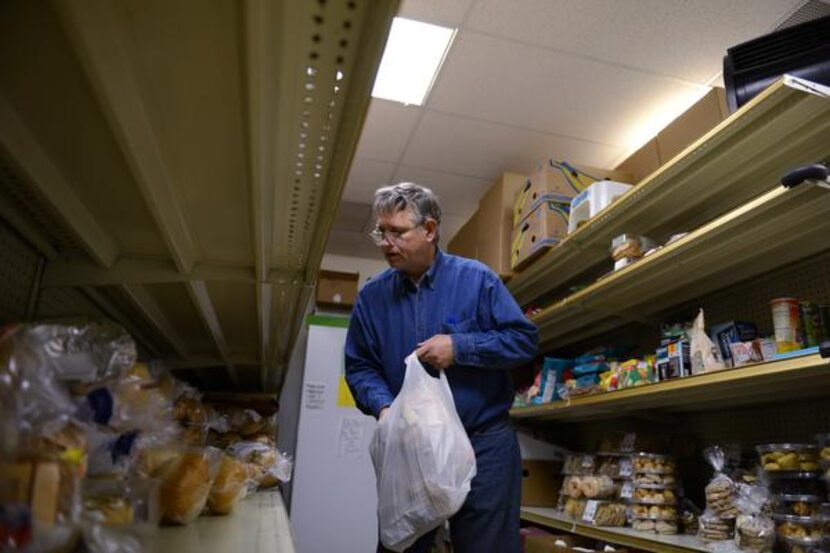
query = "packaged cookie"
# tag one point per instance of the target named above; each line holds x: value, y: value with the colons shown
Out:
x: 651, y: 463
x: 801, y: 528
x: 798, y: 505
x: 689, y: 514
x: 652, y: 512
x: 788, y: 457
x: 713, y: 528
x: 721, y: 490
x: 754, y: 530
x: 579, y: 464
x: 796, y: 545
x: 604, y: 513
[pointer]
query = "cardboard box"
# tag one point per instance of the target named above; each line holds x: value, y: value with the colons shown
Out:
x: 560, y: 182
x: 545, y: 227
x: 495, y: 223
x: 695, y: 122
x: 643, y: 162
x: 674, y: 360
x: 335, y: 289
x: 465, y: 241
x: 541, y: 481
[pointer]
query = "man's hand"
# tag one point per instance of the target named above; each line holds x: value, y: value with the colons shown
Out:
x: 382, y: 413
x: 437, y: 351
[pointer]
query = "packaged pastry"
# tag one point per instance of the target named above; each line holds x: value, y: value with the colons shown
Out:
x: 788, y: 457
x: 754, y: 530
x: 824, y: 447
x: 572, y: 486
x: 574, y: 507
x: 721, y: 491
x: 801, y: 528
x: 598, y: 487
x: 653, y: 512
x: 712, y: 527
x: 186, y: 485
x: 630, y: 246
x: 579, y: 464
x: 660, y: 480
x: 664, y: 527
x: 796, y: 545
x: 655, y: 496
x: 630, y: 442
x: 615, y: 466
x: 650, y: 463
x: 794, y: 483
x: 229, y: 487
x: 604, y: 513
x: 189, y: 410
x: 797, y: 505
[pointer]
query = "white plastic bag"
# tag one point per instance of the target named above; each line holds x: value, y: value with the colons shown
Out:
x: 423, y: 459
x: 705, y: 354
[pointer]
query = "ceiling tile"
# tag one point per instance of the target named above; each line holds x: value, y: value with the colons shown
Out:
x: 469, y: 147
x: 555, y: 93
x: 386, y: 130
x: 458, y: 194
x: 438, y: 12
x: 682, y: 38
x: 365, y: 177
x: 352, y: 216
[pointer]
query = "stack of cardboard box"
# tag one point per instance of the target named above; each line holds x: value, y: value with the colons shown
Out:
x: 528, y: 211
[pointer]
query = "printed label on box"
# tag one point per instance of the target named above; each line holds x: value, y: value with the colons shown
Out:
x: 590, y: 511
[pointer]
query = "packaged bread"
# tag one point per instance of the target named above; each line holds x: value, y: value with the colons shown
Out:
x: 653, y: 512
x: 229, y: 487
x: 654, y: 496
x: 186, y: 485
x: 754, y: 529
x: 598, y: 487
x: 189, y: 410
x: 649, y: 463
x: 604, y: 513
x: 579, y: 464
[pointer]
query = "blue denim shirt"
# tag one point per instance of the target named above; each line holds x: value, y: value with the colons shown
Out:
x: 459, y: 297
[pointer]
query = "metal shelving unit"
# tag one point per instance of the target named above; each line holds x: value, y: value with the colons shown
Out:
x: 744, y: 156
x: 777, y: 228
x: 622, y: 536
x: 177, y: 166
x: 798, y: 377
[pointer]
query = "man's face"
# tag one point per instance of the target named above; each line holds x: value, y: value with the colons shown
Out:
x: 406, y: 245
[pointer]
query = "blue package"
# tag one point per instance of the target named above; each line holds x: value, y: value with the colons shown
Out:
x: 552, y: 377
x: 590, y: 368
x: 725, y: 334
x: 587, y: 380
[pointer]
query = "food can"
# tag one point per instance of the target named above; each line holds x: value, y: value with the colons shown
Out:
x: 786, y: 318
x: 811, y: 317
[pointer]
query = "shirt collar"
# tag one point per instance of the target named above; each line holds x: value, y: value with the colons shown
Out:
x: 429, y: 277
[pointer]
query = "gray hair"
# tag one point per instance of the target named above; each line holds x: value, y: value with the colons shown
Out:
x: 406, y: 195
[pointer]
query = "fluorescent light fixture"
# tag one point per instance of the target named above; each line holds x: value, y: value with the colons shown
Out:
x: 413, y: 55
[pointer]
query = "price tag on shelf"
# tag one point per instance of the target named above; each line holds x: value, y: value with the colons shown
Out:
x: 628, y: 442
x: 587, y: 461
x: 626, y: 467
x: 627, y: 490
x: 590, y: 511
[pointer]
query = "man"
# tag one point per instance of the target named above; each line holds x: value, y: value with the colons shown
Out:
x: 458, y: 316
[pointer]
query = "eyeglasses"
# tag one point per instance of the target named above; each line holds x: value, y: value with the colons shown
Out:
x: 394, y: 236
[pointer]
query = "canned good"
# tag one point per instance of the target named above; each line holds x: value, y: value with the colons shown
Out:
x: 786, y: 318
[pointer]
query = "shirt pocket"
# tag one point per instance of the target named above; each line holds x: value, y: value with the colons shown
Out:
x: 463, y: 327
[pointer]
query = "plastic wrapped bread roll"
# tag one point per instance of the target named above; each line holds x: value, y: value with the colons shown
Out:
x: 573, y: 486
x: 186, y: 485
x: 646, y: 463
x: 229, y: 487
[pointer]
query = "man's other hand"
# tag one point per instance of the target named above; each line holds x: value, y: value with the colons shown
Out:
x: 437, y: 351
